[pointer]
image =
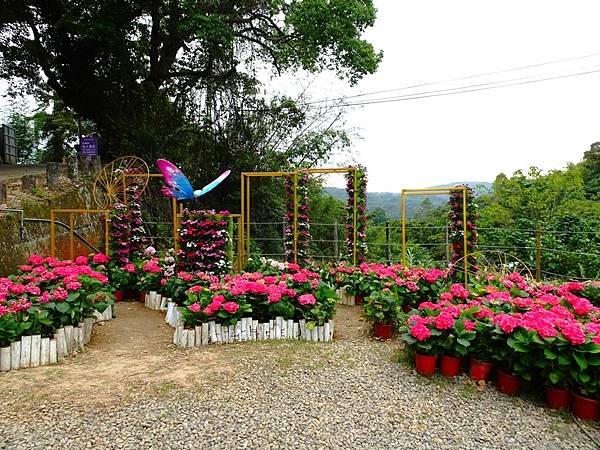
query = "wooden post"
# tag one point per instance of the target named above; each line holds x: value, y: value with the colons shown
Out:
x: 205, y: 334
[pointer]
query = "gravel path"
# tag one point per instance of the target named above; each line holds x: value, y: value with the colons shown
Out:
x: 349, y: 394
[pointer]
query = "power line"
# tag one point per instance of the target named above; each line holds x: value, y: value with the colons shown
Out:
x: 456, y: 91
x: 431, y: 83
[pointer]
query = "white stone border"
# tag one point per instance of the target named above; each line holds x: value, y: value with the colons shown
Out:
x: 34, y: 351
x: 154, y: 300
x: 345, y: 298
x: 247, y: 329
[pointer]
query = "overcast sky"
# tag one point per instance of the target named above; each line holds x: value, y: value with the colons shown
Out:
x: 475, y: 136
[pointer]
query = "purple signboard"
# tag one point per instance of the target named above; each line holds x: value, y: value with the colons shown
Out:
x: 89, y: 146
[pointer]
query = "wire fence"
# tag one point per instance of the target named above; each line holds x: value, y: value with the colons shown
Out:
x: 531, y: 250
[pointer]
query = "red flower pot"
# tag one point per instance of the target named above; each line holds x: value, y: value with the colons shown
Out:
x: 557, y: 398
x: 480, y: 370
x: 358, y: 299
x: 450, y: 366
x: 508, y: 384
x: 586, y: 408
x: 425, y: 364
x: 383, y: 330
x: 142, y: 296
x: 118, y: 296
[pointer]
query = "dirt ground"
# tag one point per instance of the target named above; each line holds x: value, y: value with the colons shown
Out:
x: 134, y: 353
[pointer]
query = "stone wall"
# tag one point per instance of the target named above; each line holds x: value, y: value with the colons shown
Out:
x: 14, y: 248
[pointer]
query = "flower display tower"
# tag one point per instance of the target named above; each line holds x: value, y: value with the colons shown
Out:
x: 203, y: 238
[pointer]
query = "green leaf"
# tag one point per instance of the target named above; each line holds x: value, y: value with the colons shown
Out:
x: 463, y: 342
x: 580, y: 360
x: 554, y: 377
x: 62, y: 307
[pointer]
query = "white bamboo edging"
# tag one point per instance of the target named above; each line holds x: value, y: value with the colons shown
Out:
x: 154, y: 300
x: 247, y: 329
x: 345, y: 298
x: 34, y: 351
x: 173, y: 316
x: 106, y: 315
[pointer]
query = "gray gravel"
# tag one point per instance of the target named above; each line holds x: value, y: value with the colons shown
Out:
x: 342, y: 395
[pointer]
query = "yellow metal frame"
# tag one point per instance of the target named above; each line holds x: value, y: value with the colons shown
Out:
x: 72, y: 213
x: 437, y: 191
x: 174, y: 208
x: 244, y: 235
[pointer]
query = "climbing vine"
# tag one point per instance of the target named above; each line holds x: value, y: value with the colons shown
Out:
x: 456, y: 230
x: 303, y: 219
x: 361, y: 220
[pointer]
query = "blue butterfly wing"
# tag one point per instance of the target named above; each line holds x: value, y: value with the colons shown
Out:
x: 213, y: 184
x: 177, y: 185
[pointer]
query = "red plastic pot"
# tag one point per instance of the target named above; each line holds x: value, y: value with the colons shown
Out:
x: 586, y: 408
x: 509, y: 384
x: 480, y: 370
x: 450, y: 366
x: 358, y: 299
x: 142, y: 297
x: 557, y: 398
x: 425, y: 364
x: 383, y: 331
x: 118, y: 296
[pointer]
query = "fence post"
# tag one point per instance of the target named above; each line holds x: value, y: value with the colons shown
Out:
x: 388, y: 243
x: 336, y: 250
x: 538, y: 253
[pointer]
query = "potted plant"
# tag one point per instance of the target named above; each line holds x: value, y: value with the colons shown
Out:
x: 123, y: 281
x: 382, y: 309
x: 554, y: 365
x: 585, y: 374
x: 455, y: 345
x: 480, y: 365
x: 419, y: 334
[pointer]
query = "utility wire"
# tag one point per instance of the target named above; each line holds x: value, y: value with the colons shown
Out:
x: 432, y: 83
x: 462, y: 90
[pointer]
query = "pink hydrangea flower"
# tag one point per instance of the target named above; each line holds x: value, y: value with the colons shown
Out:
x: 444, y: 321
x: 59, y: 294
x: 35, y: 260
x: 230, y: 307
x: 81, y: 260
x: 100, y: 258
x: 129, y: 268
x: 420, y: 332
x: 307, y: 299
x: 194, y: 307
x: 574, y: 333
x: 469, y: 325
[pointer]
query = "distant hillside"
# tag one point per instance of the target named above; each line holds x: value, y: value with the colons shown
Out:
x: 390, y: 201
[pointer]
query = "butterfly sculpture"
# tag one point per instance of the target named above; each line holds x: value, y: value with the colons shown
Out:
x: 179, y: 187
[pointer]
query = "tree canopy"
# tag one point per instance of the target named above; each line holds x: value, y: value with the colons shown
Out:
x: 150, y: 73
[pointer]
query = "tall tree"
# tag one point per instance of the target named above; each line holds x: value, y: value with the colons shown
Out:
x: 143, y: 71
